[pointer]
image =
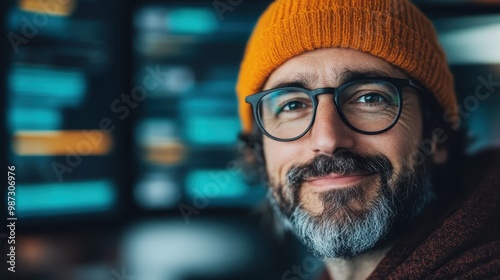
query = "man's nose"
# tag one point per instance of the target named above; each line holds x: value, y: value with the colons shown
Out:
x: 329, y: 133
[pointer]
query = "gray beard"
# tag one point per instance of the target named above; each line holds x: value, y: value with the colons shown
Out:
x: 343, y: 232
x: 326, y: 237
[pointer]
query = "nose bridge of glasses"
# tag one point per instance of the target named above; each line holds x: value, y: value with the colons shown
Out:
x: 326, y: 109
x: 328, y: 131
x: 322, y: 91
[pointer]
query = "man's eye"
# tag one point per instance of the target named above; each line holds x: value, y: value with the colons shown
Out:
x: 293, y: 105
x: 371, y: 98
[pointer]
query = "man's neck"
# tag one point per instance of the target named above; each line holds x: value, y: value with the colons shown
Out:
x: 358, y: 268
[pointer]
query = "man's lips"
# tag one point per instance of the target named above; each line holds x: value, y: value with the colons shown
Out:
x: 335, y: 180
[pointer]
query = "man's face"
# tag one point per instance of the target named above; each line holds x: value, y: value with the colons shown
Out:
x: 339, y: 188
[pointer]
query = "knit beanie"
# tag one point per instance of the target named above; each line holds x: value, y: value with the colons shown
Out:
x: 394, y: 30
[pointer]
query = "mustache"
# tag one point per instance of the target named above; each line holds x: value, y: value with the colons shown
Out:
x: 345, y: 163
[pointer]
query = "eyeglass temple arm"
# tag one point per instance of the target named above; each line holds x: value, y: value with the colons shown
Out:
x: 413, y: 84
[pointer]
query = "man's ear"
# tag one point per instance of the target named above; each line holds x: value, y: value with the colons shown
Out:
x: 440, y: 152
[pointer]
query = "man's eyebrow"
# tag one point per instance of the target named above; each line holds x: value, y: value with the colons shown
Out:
x: 350, y: 75
x: 301, y: 79
x: 308, y: 80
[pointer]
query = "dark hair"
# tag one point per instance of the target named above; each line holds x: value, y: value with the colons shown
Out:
x: 456, y: 142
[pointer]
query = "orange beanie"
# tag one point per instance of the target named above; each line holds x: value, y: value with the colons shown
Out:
x: 394, y: 30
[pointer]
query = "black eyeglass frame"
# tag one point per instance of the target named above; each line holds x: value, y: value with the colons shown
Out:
x: 397, y: 83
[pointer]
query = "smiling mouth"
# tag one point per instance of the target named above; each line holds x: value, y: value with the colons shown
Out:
x: 337, y: 181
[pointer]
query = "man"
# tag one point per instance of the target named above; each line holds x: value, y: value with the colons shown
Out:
x: 349, y: 107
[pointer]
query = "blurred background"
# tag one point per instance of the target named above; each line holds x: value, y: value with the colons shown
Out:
x: 120, y: 118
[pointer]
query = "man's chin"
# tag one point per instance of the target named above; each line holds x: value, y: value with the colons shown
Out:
x: 342, y: 204
x: 351, y: 222
x: 345, y: 233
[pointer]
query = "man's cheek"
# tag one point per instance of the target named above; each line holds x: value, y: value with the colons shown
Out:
x: 403, y: 149
x: 276, y: 171
x: 310, y: 201
x: 272, y: 175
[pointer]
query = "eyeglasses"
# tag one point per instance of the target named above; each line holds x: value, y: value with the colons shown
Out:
x: 368, y: 106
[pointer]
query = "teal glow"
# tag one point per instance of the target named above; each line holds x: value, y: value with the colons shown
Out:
x: 58, y: 26
x: 191, y: 21
x: 212, y: 130
x: 64, y: 198
x: 215, y: 184
x: 33, y: 119
x: 44, y: 81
